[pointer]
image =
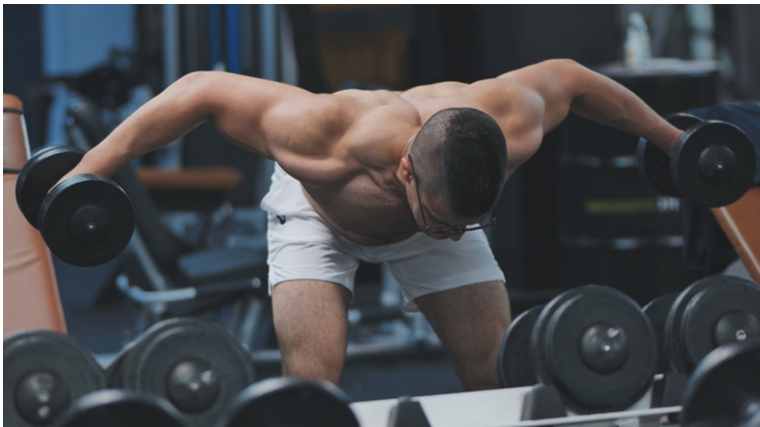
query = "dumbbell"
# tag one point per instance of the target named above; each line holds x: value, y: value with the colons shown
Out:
x: 724, y: 390
x: 121, y: 408
x: 712, y: 163
x: 197, y: 366
x: 515, y: 366
x: 85, y: 220
x: 593, y: 343
x: 657, y: 312
x: 43, y: 373
x: 290, y: 402
x: 711, y: 312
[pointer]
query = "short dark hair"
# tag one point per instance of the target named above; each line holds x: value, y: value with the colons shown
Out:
x: 462, y: 152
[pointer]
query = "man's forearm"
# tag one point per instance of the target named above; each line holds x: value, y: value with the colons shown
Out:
x: 163, y: 119
x: 605, y: 101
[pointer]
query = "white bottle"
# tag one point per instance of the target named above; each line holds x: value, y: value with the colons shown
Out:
x: 638, y: 48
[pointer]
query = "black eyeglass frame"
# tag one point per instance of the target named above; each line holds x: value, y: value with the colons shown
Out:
x: 452, y: 229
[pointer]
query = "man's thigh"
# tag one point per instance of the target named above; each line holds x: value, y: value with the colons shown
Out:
x: 312, y: 327
x: 470, y: 321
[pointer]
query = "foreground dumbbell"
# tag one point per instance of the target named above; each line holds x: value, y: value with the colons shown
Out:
x: 711, y: 312
x: 290, y: 402
x: 724, y: 390
x: 85, y: 220
x: 121, y: 408
x: 515, y: 366
x: 712, y: 164
x: 43, y: 373
x: 196, y: 365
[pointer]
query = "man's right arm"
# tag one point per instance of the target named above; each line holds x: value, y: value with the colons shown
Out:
x: 274, y: 120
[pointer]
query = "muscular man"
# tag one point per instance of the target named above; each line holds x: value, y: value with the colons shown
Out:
x: 407, y: 179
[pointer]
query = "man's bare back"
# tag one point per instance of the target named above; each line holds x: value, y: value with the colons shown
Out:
x: 349, y: 149
x: 371, y: 190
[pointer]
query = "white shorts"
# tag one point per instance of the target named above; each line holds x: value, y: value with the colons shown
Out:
x: 302, y: 246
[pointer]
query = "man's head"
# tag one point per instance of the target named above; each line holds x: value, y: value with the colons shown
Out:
x: 460, y: 160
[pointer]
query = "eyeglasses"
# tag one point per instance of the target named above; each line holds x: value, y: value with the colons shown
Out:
x: 486, y: 222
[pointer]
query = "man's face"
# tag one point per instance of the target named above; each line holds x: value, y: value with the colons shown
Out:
x: 434, y: 218
x: 429, y: 214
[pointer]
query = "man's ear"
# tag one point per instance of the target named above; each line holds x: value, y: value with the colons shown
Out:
x: 406, y: 167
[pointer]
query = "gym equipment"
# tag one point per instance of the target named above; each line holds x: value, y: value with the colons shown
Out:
x: 712, y: 163
x: 290, y: 402
x: 44, y: 372
x: 514, y: 364
x: 709, y: 313
x: 725, y: 388
x: 657, y: 312
x: 654, y: 164
x: 596, y: 346
x: 85, y: 220
x: 196, y: 365
x: 121, y: 408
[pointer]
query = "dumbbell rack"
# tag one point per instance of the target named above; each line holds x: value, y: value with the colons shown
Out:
x: 503, y: 408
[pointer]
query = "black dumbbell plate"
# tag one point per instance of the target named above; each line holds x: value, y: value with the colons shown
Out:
x: 725, y: 388
x: 657, y: 312
x: 43, y: 373
x: 654, y: 164
x: 290, y: 402
x: 515, y: 365
x: 196, y: 365
x: 87, y: 220
x: 597, y: 347
x: 713, y: 164
x: 121, y: 408
x: 711, y: 312
x: 39, y: 175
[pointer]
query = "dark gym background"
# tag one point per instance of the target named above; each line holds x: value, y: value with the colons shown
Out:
x: 325, y: 48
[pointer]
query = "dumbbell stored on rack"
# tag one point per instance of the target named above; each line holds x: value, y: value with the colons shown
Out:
x: 195, y: 365
x: 43, y: 373
x: 712, y: 164
x: 85, y: 220
x: 709, y: 313
x: 592, y: 343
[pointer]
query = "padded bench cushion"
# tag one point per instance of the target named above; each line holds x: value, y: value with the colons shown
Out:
x: 30, y: 289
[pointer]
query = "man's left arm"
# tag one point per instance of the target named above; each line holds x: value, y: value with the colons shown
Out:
x: 566, y: 86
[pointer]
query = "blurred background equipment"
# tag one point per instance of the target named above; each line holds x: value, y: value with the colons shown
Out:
x: 578, y: 212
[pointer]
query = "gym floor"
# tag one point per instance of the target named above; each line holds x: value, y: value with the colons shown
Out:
x: 103, y: 329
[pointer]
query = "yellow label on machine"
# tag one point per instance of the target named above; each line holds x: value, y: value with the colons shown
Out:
x: 620, y: 206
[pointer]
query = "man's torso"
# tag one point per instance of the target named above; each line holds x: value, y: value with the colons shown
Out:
x: 366, y: 204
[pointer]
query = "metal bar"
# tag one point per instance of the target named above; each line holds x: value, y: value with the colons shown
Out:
x: 233, y: 38
x: 147, y: 297
x: 247, y: 39
x: 215, y: 34
x: 269, y: 41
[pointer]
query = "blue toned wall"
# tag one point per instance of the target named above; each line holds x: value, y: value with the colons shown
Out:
x: 76, y: 38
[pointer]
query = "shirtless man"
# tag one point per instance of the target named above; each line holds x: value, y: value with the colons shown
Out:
x: 402, y: 178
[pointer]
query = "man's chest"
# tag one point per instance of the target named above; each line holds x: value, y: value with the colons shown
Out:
x: 364, y: 212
